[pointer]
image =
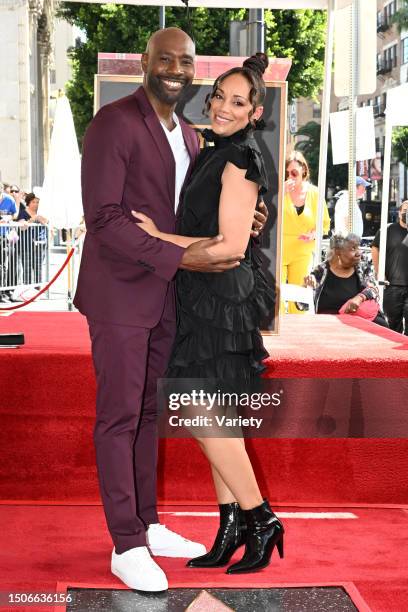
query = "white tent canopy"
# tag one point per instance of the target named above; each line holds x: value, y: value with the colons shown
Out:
x: 61, y: 200
x: 231, y: 4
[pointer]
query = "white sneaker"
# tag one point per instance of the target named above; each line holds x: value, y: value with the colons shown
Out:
x: 165, y: 543
x: 137, y: 570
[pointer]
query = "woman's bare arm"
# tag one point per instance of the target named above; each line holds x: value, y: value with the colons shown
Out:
x: 236, y: 210
x: 183, y: 241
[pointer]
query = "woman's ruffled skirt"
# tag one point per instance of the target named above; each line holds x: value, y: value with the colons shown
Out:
x: 218, y: 324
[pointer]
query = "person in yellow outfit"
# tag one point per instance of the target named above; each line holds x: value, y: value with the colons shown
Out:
x: 299, y: 223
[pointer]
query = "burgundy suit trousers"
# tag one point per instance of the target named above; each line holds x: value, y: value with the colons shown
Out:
x: 128, y: 361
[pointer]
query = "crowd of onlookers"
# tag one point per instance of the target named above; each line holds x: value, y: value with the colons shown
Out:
x: 345, y: 282
x: 23, y: 240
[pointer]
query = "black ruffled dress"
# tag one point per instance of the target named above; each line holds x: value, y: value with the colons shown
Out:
x: 219, y: 314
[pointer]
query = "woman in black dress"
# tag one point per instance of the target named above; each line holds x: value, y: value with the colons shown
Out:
x: 219, y: 315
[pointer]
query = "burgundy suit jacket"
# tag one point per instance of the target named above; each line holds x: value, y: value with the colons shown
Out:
x: 127, y: 164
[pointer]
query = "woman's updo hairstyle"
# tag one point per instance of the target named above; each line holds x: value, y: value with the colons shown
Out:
x: 257, y: 63
x: 252, y: 69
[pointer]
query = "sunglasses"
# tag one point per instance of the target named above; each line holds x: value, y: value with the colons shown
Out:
x: 293, y: 173
x: 14, y: 191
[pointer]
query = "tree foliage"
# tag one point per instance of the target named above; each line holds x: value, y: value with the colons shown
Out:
x: 336, y: 176
x: 400, y: 144
x: 299, y: 35
x: 400, y: 18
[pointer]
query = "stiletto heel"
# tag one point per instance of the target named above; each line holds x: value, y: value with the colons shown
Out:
x: 230, y: 536
x: 279, y: 545
x: 264, y: 532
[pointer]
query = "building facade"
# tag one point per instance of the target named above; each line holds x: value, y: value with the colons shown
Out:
x: 392, y: 64
x: 392, y: 70
x: 25, y: 34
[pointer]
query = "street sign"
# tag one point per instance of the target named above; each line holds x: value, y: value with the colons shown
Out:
x: 365, y: 135
x: 293, y: 118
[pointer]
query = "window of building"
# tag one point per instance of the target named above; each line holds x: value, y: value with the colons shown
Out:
x: 404, y: 53
x: 389, y: 10
x: 316, y: 111
x: 53, y: 77
x: 390, y: 57
x: 392, y: 8
x: 393, y: 55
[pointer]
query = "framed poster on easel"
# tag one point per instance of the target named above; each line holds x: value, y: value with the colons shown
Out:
x: 271, y: 140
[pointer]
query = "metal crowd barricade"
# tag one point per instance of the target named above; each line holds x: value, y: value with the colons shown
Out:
x: 24, y: 255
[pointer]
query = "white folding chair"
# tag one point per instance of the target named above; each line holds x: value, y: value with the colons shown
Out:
x: 296, y: 293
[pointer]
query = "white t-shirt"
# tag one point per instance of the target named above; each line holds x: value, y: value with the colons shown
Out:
x: 180, y: 154
x: 341, y: 216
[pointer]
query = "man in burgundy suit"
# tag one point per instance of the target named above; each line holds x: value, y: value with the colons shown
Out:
x: 136, y: 156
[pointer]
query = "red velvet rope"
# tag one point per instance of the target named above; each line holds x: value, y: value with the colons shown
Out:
x: 64, y: 265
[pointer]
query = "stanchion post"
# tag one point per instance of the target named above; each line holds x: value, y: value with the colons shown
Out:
x: 69, y: 270
x: 48, y: 256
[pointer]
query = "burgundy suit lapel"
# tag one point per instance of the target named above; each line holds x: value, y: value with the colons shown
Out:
x: 157, y: 132
x: 166, y: 154
x: 190, y: 138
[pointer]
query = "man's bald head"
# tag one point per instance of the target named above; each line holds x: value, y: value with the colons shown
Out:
x: 168, y: 65
x: 167, y: 35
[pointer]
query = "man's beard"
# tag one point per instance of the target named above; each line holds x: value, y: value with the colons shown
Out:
x: 155, y: 84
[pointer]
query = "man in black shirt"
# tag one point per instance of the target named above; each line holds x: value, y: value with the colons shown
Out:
x: 396, y: 271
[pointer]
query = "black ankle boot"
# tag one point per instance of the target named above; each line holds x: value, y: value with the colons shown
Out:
x: 231, y: 535
x: 264, y: 532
